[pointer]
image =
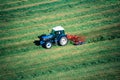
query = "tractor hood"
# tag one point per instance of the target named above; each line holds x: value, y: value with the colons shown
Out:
x: 47, y: 37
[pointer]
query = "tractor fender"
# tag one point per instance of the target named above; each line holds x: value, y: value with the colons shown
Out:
x: 61, y: 37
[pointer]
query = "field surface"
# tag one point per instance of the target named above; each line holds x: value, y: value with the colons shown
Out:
x: 22, y: 21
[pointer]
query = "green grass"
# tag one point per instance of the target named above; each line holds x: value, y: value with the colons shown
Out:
x: 22, y: 21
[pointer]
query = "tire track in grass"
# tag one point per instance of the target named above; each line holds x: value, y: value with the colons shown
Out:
x: 29, y: 5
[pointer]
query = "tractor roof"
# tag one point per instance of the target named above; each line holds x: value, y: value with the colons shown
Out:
x: 58, y: 28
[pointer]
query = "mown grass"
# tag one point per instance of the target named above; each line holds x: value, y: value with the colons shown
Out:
x: 66, y: 62
x: 22, y: 21
x: 91, y: 11
x: 66, y: 22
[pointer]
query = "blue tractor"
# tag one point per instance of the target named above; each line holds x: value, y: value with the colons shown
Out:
x: 57, y: 36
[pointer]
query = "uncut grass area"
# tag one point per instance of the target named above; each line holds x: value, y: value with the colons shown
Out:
x: 22, y: 21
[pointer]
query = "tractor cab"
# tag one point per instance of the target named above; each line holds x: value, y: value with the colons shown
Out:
x: 57, y: 31
x: 56, y: 36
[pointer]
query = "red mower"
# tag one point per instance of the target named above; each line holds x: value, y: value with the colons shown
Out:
x: 77, y: 40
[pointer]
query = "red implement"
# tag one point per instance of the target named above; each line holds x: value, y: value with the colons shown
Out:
x: 77, y: 40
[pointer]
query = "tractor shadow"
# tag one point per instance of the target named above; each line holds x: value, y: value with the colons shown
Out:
x: 37, y: 42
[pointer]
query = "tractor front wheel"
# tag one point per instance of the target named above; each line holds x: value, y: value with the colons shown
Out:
x: 63, y: 41
x: 48, y: 45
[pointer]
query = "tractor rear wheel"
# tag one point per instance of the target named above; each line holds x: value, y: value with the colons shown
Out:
x: 48, y: 45
x: 63, y: 41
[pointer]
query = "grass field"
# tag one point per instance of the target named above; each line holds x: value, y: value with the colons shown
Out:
x: 22, y: 21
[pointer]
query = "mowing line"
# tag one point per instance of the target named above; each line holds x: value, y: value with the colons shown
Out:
x: 100, y: 28
x: 15, y: 2
x: 29, y: 41
x: 66, y: 20
x: 56, y: 6
x: 31, y: 16
x: 40, y: 18
x: 81, y: 4
x: 29, y: 5
x: 57, y: 15
x: 55, y: 64
x: 59, y: 49
x: 36, y: 19
x: 56, y: 49
x: 94, y: 21
x: 84, y: 72
x: 37, y: 32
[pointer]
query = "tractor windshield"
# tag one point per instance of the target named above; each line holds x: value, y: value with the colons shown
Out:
x: 52, y: 32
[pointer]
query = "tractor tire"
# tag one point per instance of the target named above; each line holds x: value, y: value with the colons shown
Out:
x: 63, y: 41
x: 48, y: 45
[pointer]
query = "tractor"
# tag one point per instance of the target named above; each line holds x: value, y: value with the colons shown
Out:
x: 57, y: 36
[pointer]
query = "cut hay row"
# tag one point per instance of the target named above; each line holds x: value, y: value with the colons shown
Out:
x: 24, y: 47
x: 104, y: 7
x: 86, y: 52
x: 18, y: 28
x: 27, y: 42
x: 24, y: 21
x: 54, y: 56
x: 84, y: 23
x: 33, y: 69
x: 87, y: 16
x: 39, y: 9
x: 29, y: 5
x: 86, y: 73
x: 11, y: 3
x: 22, y: 59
